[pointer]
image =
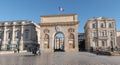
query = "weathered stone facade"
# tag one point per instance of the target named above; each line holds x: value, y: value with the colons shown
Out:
x: 23, y: 34
x: 100, y: 32
x: 18, y: 34
x: 118, y: 39
x: 66, y: 24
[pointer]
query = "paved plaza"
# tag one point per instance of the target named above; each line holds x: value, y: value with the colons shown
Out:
x: 58, y: 58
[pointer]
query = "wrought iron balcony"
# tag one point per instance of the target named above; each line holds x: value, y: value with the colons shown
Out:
x: 103, y: 37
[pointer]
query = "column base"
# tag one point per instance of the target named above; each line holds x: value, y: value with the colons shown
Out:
x: 3, y: 47
x: 21, y: 47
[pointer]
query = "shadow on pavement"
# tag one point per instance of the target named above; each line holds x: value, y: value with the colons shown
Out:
x: 28, y: 55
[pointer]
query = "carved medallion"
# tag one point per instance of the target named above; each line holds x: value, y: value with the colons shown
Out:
x: 58, y: 28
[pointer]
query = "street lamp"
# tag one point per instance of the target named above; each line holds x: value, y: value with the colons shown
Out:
x: 0, y: 43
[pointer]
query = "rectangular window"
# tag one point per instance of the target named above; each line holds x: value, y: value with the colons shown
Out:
x: 26, y: 35
x: 111, y: 34
x: 17, y: 34
x: 104, y: 43
x: 9, y: 35
x: 103, y: 33
x: 94, y: 43
x: 110, y: 25
x: 93, y: 25
x: 94, y: 34
x: 102, y: 25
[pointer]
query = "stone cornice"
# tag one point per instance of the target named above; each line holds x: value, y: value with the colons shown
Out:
x: 16, y: 25
x: 58, y: 15
x: 59, y: 23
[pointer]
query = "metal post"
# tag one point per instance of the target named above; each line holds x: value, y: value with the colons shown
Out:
x: 59, y: 43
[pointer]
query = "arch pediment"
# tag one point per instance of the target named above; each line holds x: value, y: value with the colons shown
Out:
x: 59, y: 18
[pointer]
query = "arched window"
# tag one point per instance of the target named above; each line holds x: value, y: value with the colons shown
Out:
x: 46, y: 41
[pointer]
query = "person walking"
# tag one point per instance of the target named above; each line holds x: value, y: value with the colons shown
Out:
x: 18, y: 50
x: 97, y: 51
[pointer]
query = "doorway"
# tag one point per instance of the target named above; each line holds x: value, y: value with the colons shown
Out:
x: 82, y: 45
x: 59, y: 42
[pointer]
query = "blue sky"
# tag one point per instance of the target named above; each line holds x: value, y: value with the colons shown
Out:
x: 33, y: 9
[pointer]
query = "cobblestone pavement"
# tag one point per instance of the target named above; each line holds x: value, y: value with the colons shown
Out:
x: 58, y: 58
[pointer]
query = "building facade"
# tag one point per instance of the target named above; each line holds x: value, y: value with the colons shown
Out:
x: 18, y: 34
x: 118, y: 39
x: 100, y: 33
x: 55, y: 33
x: 59, y: 33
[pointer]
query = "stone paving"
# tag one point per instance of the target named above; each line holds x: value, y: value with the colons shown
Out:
x: 58, y: 58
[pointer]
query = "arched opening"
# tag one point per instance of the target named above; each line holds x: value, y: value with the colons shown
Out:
x: 71, y: 41
x: 59, y: 42
x: 46, y: 41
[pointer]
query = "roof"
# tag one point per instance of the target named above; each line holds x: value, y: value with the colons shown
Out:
x: 99, y: 18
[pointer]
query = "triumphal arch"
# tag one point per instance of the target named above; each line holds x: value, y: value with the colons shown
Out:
x: 59, y: 33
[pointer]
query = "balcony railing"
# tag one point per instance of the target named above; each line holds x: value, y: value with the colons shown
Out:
x: 103, y: 37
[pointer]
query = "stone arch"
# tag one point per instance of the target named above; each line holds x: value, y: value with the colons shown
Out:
x: 59, y: 39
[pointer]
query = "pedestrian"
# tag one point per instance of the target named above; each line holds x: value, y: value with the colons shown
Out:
x: 97, y: 51
x: 18, y: 50
x: 38, y: 51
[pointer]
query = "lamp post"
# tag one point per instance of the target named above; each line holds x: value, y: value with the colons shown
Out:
x: 0, y: 43
x: 18, y: 45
